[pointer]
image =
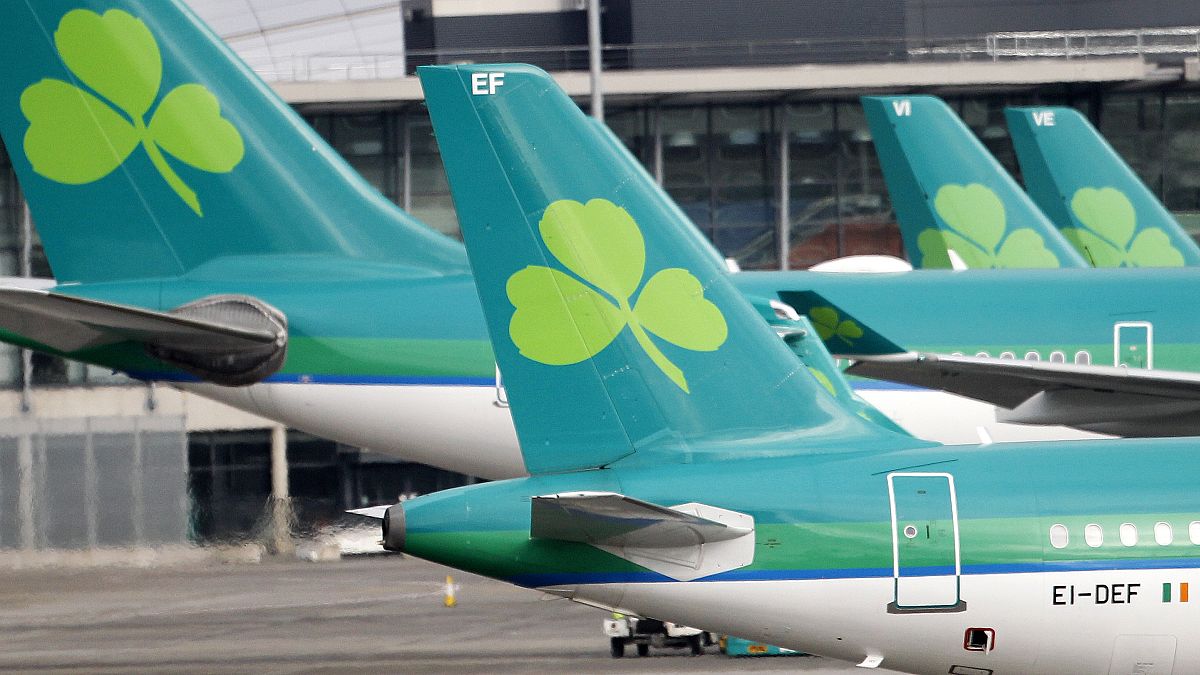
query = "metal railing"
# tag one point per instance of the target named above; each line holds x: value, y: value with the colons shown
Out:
x: 1148, y: 42
x: 1152, y: 44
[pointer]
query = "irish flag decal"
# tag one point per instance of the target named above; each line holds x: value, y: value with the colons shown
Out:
x: 1170, y: 594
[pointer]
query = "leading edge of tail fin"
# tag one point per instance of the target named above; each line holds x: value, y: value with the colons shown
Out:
x: 617, y: 333
x: 949, y: 192
x: 146, y: 148
x: 1092, y: 195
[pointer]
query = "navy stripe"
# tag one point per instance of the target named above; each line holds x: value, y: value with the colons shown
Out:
x: 639, y: 577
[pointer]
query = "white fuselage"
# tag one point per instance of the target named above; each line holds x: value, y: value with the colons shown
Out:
x: 469, y: 429
x: 1129, y: 628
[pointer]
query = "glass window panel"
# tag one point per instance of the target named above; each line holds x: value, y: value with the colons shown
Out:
x: 1133, y: 126
x: 1093, y: 534
x: 685, y: 146
x: 863, y: 211
x: 358, y: 135
x: 430, y: 200
x: 322, y: 124
x: 812, y: 182
x: 695, y: 202
x: 744, y: 216
x: 10, y: 366
x: 425, y: 162
x: 48, y: 370
x: 985, y: 118
x: 1181, y: 163
x: 11, y: 211
x: 378, y: 171
x: 631, y: 127
x: 436, y: 211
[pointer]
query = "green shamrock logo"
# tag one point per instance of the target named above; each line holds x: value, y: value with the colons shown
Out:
x: 824, y: 381
x: 1106, y: 238
x: 829, y: 323
x: 80, y: 134
x: 977, y: 225
x: 562, y: 319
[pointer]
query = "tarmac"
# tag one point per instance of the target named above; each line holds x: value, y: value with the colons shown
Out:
x: 362, y: 614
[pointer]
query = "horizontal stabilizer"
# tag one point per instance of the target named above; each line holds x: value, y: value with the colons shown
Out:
x: 223, y: 339
x: 843, y: 334
x: 683, y: 542
x: 1104, y: 399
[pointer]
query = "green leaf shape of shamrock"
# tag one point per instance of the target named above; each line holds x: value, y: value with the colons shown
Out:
x: 829, y: 323
x: 1107, y: 236
x: 824, y: 381
x: 977, y: 223
x: 562, y: 319
x: 80, y: 134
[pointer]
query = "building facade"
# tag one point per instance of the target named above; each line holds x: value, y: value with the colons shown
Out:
x: 749, y: 119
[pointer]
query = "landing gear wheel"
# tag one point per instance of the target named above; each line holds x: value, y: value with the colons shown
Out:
x: 697, y: 645
x: 643, y: 649
x: 616, y: 647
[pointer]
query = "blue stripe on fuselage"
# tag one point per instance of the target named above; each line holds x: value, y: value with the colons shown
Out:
x: 567, y: 579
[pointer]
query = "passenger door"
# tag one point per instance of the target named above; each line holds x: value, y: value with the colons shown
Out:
x: 1133, y: 344
x: 925, y: 543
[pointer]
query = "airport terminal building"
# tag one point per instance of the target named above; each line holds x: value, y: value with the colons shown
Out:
x: 747, y: 114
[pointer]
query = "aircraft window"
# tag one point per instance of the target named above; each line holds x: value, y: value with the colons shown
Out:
x: 1033, y: 356
x: 1093, y: 534
x: 983, y: 355
x: 1058, y: 357
x: 1163, y: 534
x: 1194, y: 532
x: 1008, y: 355
x: 1059, y: 536
x: 1129, y: 535
x: 1083, y: 358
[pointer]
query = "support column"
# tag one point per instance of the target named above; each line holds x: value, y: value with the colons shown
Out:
x: 138, y: 482
x: 785, y: 193
x: 281, y: 501
x: 28, y: 535
x: 91, y: 491
x: 26, y: 271
x: 595, y: 56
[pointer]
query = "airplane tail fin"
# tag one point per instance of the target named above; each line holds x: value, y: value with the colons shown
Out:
x: 617, y: 333
x: 146, y: 148
x: 1092, y: 195
x: 952, y: 198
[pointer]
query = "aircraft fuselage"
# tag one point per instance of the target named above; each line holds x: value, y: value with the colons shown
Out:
x: 1047, y: 557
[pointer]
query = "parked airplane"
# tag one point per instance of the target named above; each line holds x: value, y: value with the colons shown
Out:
x: 956, y: 205
x: 684, y: 469
x: 227, y: 244
x: 202, y: 234
x: 1092, y: 195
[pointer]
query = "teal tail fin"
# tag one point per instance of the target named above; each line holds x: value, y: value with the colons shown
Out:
x: 146, y: 148
x: 950, y: 193
x: 1092, y: 195
x: 617, y: 332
